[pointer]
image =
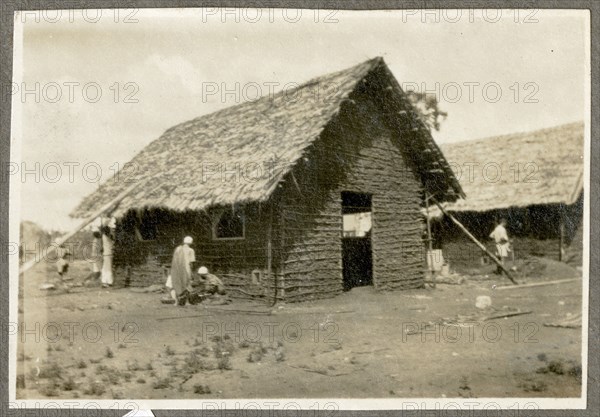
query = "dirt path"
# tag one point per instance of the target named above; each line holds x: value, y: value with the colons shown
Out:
x: 356, y: 345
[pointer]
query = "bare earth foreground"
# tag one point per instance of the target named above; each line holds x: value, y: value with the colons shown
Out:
x: 96, y: 343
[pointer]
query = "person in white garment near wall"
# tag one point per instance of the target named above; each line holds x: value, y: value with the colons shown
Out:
x: 500, y: 237
x: 108, y: 241
x: 95, y: 257
x: 181, y: 271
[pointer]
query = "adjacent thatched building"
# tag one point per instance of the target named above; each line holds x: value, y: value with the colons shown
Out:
x: 263, y: 188
x: 533, y: 179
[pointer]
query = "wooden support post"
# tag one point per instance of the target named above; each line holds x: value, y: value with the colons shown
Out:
x: 474, y: 239
x: 270, y: 254
x: 429, y: 241
x: 107, y: 207
x: 561, y: 231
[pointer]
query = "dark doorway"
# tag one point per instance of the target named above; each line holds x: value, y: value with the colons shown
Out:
x: 357, y: 257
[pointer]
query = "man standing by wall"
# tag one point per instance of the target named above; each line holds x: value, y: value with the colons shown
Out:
x: 181, y: 270
x: 108, y: 242
x: 502, y: 243
x: 95, y: 257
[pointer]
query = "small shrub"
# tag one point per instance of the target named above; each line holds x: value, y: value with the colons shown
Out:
x: 257, y: 353
x: 279, y: 355
x: 135, y: 366
x: 464, y: 383
x: 94, y: 388
x: 101, y: 368
x: 110, y: 375
x: 171, y: 362
x: 69, y: 384
x: 50, y: 389
x: 194, y: 364
x: 140, y: 381
x: 21, y: 381
x: 95, y: 361
x: 244, y: 344
x: 224, y: 364
x: 50, y: 371
x: 109, y: 353
x: 556, y: 367
x: 575, y: 371
x: 204, y: 351
x: 149, y: 366
x: 537, y: 386
x: 542, y: 357
x: 176, y: 373
x: 122, y: 346
x: 162, y: 383
x: 255, y: 356
x: 169, y: 351
x: 81, y: 364
x: 201, y: 389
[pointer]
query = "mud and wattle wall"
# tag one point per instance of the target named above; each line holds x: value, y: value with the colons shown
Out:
x: 357, y: 152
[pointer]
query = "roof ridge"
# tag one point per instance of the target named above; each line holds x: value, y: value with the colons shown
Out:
x: 579, y: 123
x: 370, y: 64
x: 190, y: 161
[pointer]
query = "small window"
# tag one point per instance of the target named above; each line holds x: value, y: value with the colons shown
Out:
x: 231, y: 224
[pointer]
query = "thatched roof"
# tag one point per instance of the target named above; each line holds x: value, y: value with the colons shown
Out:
x: 550, y: 165
x: 264, y: 136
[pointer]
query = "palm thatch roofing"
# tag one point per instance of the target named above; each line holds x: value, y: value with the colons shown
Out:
x: 258, y: 143
x: 518, y: 170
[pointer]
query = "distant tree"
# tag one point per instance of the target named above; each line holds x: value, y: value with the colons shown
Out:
x: 427, y: 108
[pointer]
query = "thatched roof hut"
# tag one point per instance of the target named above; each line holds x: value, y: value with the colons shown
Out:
x: 533, y: 179
x: 264, y: 187
x: 519, y: 170
x: 264, y: 139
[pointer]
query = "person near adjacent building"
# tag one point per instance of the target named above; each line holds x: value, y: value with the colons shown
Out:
x: 108, y: 243
x: 95, y: 256
x: 500, y: 237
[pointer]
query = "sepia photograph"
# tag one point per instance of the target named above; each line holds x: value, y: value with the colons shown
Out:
x: 299, y: 209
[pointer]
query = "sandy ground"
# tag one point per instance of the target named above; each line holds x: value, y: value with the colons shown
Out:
x: 117, y: 343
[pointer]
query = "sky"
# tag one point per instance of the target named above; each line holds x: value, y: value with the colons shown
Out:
x: 93, y: 88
